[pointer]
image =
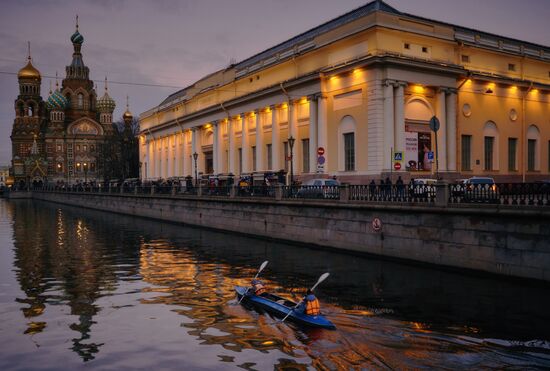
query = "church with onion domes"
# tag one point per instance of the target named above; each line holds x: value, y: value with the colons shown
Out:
x: 61, y: 140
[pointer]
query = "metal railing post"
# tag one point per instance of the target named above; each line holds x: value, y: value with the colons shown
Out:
x: 441, y: 193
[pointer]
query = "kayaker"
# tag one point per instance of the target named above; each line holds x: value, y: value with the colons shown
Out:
x: 258, y: 287
x: 310, y: 304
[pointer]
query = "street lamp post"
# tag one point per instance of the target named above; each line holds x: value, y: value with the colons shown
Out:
x: 291, y: 145
x: 195, y: 157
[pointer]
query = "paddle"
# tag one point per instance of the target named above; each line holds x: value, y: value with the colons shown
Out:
x: 256, y: 276
x: 321, y: 279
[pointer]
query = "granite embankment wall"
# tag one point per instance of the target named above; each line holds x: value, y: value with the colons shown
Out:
x: 509, y: 241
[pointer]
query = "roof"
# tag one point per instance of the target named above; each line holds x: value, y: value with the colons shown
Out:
x: 373, y: 6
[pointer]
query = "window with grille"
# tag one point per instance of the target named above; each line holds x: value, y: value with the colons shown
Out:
x: 305, y: 155
x: 466, y: 152
x: 253, y: 158
x: 488, y: 155
x: 512, y: 152
x: 269, y: 156
x: 531, y: 149
x: 349, y: 151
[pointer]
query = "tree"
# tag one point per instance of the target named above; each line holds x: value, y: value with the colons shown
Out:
x: 119, y: 152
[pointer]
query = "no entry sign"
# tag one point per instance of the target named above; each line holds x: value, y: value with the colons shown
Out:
x: 320, y: 151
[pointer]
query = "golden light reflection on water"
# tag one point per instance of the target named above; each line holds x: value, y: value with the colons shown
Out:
x: 80, y: 263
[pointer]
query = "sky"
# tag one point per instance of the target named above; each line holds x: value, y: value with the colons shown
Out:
x: 173, y: 43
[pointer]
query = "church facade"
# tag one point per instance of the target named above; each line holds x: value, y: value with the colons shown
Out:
x: 61, y: 140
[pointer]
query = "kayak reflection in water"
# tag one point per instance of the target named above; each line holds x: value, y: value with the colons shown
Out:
x: 258, y: 287
x: 309, y: 305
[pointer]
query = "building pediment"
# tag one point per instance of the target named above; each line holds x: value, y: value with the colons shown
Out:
x: 85, y: 126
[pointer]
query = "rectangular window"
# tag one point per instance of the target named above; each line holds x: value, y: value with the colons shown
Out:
x: 305, y: 155
x: 349, y: 151
x: 512, y: 152
x: 531, y: 149
x: 240, y: 160
x: 489, y: 142
x: 466, y: 152
x: 78, y: 147
x: 253, y: 158
x: 424, y: 49
x: 85, y: 148
x: 465, y: 58
x: 270, y: 157
x: 286, y: 153
x: 407, y: 46
x: 59, y: 148
x: 511, y: 67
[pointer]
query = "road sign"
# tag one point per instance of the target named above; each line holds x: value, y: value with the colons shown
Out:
x: 376, y: 225
x: 320, y: 151
x: 397, y: 166
x: 321, y: 160
x: 430, y: 155
x: 434, y: 124
x: 398, y: 156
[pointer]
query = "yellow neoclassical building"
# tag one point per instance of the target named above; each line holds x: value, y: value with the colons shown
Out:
x: 356, y: 95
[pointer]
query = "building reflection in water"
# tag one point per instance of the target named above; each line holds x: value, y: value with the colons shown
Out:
x: 388, y: 315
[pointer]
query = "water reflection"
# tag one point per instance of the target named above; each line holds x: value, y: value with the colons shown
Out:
x: 147, y: 291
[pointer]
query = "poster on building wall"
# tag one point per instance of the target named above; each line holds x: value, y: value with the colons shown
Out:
x: 424, y: 148
x: 411, y: 150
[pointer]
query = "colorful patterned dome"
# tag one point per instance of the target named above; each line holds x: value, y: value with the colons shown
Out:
x: 56, y: 101
x: 106, y: 103
x: 77, y: 38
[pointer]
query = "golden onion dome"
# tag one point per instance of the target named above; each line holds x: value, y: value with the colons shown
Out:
x: 28, y: 72
x: 127, y: 115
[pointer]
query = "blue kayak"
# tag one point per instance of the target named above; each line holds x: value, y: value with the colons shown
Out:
x: 280, y: 307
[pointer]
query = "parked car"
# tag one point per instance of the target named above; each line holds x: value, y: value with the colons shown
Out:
x: 480, y: 189
x: 319, y: 188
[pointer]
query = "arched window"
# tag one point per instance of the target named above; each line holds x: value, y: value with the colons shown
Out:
x: 80, y: 101
x: 30, y: 110
x: 490, y: 146
x: 346, y: 144
x: 533, y: 148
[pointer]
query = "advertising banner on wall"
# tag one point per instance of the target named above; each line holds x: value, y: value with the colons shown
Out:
x: 411, y: 150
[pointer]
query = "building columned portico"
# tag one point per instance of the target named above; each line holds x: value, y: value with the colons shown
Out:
x: 357, y: 93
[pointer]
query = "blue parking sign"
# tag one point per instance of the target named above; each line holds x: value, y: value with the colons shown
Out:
x: 430, y: 155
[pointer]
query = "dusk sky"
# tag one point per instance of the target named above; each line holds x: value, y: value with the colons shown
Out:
x: 173, y: 43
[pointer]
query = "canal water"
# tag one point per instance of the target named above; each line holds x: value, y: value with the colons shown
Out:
x: 85, y: 289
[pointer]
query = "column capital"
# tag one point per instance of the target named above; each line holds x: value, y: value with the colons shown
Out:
x: 388, y: 82
x: 242, y: 115
x: 402, y: 84
x: 312, y: 97
x: 215, y: 122
x: 272, y: 107
x: 256, y: 111
x: 446, y: 90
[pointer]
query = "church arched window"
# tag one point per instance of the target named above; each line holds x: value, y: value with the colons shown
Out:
x: 80, y: 101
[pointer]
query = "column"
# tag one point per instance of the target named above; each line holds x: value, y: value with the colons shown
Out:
x: 158, y: 155
x: 260, y: 162
x: 442, y: 132
x: 451, y: 130
x: 177, y: 154
x: 231, y: 137
x: 322, y: 130
x: 312, y: 133
x: 399, y: 116
x: 218, y: 148
x: 244, y: 144
x: 170, y: 156
x: 185, y: 154
x: 388, y: 125
x: 275, y: 140
x: 151, y: 159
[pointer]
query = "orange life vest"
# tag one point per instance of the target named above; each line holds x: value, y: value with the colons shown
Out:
x: 312, y: 307
x: 259, y: 289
